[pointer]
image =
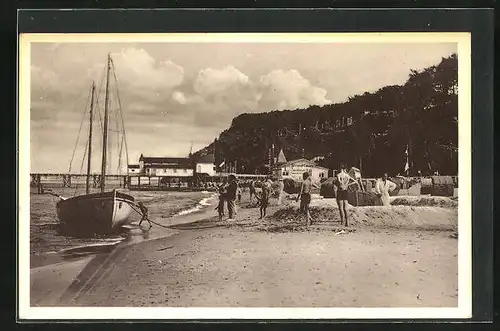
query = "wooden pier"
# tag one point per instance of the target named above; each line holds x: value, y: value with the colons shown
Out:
x: 132, y: 181
x: 53, y: 180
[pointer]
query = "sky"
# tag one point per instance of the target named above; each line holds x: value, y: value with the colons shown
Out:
x: 178, y: 95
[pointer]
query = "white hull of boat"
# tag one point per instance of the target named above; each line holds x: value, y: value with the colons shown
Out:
x: 98, y: 212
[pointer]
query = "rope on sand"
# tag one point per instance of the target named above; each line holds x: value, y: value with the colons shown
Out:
x: 147, y: 219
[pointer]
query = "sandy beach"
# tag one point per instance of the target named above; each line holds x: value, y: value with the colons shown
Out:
x: 398, y: 256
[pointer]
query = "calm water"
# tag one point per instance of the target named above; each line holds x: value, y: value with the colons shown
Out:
x: 46, y: 236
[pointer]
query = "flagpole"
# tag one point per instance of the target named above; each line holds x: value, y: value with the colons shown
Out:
x: 407, y: 165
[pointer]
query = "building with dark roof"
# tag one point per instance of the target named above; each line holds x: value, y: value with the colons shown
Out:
x: 166, y: 166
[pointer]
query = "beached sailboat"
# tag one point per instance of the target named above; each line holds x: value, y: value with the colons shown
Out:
x: 104, y: 211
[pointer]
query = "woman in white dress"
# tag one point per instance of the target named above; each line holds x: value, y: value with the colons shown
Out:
x: 382, y: 188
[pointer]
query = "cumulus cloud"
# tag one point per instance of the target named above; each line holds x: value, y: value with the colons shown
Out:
x: 212, y: 81
x: 288, y: 89
x: 139, y: 69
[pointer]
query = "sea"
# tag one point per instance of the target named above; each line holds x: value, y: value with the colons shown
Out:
x: 47, y: 237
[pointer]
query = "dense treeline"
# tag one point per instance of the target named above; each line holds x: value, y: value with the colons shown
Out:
x: 372, y: 131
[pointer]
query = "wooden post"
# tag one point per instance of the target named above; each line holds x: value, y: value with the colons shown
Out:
x: 66, y: 180
x: 39, y: 184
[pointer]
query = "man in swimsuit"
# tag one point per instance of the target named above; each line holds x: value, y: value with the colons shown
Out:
x: 343, y: 182
x: 305, y: 196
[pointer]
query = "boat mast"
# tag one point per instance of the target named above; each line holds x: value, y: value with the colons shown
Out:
x: 105, y: 130
x: 87, y: 190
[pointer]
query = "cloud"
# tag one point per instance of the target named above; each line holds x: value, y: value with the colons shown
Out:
x: 140, y: 70
x: 212, y: 81
x: 289, y: 90
x: 216, y: 96
x: 172, y: 94
x: 179, y: 97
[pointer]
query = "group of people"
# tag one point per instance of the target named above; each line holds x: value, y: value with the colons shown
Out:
x: 228, y: 192
x: 342, y: 181
x: 260, y: 192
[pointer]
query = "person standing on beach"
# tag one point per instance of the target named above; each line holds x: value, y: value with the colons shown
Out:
x: 305, y: 196
x: 382, y: 188
x: 281, y: 187
x: 222, y: 197
x: 239, y: 194
x: 343, y: 182
x: 231, y: 190
x: 252, y: 190
x: 264, y: 199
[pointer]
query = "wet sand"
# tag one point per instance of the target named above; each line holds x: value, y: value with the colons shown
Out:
x: 223, y: 267
x: 56, y: 278
x: 207, y: 263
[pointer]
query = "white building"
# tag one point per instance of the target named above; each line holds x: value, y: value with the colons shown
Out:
x: 134, y: 169
x: 294, y: 169
x: 166, y: 166
x: 206, y: 165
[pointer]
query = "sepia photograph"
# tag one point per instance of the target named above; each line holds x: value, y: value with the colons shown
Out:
x: 321, y: 175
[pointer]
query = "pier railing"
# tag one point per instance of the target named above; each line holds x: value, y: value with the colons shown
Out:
x: 39, y: 181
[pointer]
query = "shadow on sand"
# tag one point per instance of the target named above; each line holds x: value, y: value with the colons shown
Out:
x: 208, y: 223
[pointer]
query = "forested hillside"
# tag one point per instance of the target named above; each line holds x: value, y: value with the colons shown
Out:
x: 371, y: 131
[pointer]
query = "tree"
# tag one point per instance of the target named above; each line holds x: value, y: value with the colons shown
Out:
x: 421, y: 114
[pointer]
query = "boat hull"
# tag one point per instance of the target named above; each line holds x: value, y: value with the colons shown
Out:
x: 96, y: 213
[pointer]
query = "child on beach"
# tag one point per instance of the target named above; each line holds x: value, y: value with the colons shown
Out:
x: 252, y: 190
x: 281, y: 187
x: 263, y: 199
x: 220, y: 206
x: 239, y: 194
x: 144, y: 212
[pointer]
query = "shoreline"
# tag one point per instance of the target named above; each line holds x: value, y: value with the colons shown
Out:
x: 142, y: 269
x: 95, y: 245
x: 68, y: 269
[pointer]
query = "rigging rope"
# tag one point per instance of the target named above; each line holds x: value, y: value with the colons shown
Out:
x: 83, y: 162
x: 101, y: 83
x: 121, y: 113
x: 97, y: 106
x: 118, y: 145
x: 79, y: 130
